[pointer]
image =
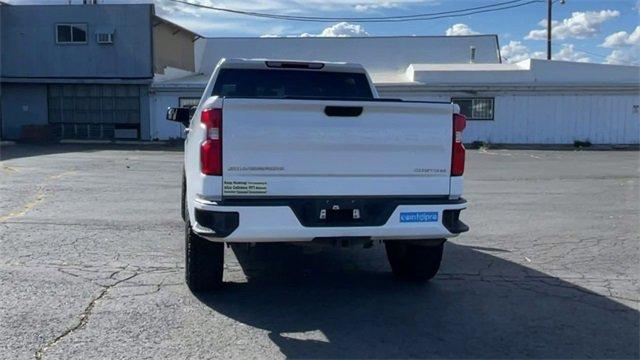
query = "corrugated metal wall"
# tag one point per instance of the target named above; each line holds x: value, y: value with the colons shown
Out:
x: 161, y: 128
x: 520, y: 117
x: 551, y: 118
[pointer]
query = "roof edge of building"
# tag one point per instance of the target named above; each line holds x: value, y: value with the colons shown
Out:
x: 578, y: 87
x: 346, y: 37
x: 76, y: 80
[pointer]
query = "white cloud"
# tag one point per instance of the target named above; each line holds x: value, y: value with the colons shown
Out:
x: 515, y: 52
x: 634, y: 37
x: 622, y: 38
x: 342, y: 29
x: 569, y: 53
x: 580, y: 25
x: 460, y: 30
x: 615, y: 40
x: 538, y: 55
x: 626, y: 47
x: 377, y: 5
x: 624, y: 57
x: 372, y: 7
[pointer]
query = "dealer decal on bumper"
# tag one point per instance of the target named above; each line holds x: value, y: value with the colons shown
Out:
x: 413, y: 217
x: 244, y: 187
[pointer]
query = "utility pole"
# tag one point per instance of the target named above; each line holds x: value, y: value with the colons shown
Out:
x: 549, y: 24
x: 549, y: 6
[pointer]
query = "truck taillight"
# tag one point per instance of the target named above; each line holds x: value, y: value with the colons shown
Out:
x: 457, y: 152
x: 211, y: 147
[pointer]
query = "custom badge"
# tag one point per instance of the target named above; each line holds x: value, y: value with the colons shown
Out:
x: 413, y: 217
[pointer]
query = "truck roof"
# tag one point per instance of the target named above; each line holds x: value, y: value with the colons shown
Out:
x: 240, y: 63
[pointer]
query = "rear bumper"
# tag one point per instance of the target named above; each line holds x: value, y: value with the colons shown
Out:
x: 282, y: 221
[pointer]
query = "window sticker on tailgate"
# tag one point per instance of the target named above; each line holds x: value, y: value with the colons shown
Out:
x: 412, y: 217
x: 244, y: 187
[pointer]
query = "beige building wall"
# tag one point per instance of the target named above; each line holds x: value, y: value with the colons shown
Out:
x: 172, y: 46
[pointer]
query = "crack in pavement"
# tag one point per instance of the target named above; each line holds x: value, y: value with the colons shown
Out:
x: 155, y: 289
x: 84, y: 316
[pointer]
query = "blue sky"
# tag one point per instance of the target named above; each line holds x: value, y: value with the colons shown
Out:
x: 586, y: 30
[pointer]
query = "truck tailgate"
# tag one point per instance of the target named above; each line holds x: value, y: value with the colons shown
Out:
x: 287, y: 147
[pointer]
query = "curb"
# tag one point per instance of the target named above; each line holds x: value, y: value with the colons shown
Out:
x: 114, y: 142
x: 555, y: 147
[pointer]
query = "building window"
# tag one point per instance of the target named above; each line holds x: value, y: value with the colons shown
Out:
x: 189, y: 102
x: 71, y: 33
x: 104, y: 38
x: 475, y: 108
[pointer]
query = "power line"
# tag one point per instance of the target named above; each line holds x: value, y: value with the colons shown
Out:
x: 367, y: 18
x: 594, y: 54
x: 404, y: 18
x: 433, y: 14
x: 467, y: 13
x: 415, y: 17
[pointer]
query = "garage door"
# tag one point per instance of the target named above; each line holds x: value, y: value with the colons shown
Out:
x: 94, y: 111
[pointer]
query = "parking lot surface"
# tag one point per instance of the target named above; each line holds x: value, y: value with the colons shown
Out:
x: 91, y: 266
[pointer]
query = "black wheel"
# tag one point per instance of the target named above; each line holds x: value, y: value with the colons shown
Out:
x: 412, y: 261
x: 183, y: 198
x: 204, y: 262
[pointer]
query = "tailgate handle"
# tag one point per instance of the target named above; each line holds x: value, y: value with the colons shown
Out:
x: 346, y: 111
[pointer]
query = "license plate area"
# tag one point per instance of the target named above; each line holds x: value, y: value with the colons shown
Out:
x: 335, y: 214
x: 338, y: 212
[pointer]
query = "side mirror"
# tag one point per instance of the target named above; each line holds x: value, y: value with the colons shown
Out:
x: 179, y: 114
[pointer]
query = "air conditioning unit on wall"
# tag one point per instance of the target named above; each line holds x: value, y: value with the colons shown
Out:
x: 104, y: 38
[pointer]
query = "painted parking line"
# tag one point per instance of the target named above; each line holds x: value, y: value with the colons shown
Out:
x: 9, y: 169
x: 60, y: 175
x: 37, y: 199
x: 40, y: 195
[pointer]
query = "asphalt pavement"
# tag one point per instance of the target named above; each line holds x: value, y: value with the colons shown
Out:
x: 91, y: 266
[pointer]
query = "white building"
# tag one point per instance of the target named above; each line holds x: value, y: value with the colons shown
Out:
x: 531, y: 102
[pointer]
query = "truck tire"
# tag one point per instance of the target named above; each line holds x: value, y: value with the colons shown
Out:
x: 204, y: 262
x: 416, y: 262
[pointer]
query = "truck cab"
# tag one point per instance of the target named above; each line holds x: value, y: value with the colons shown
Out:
x: 306, y: 152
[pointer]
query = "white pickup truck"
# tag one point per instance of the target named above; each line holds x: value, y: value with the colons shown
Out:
x: 288, y: 151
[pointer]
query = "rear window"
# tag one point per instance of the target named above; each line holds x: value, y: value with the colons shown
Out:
x: 254, y: 83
